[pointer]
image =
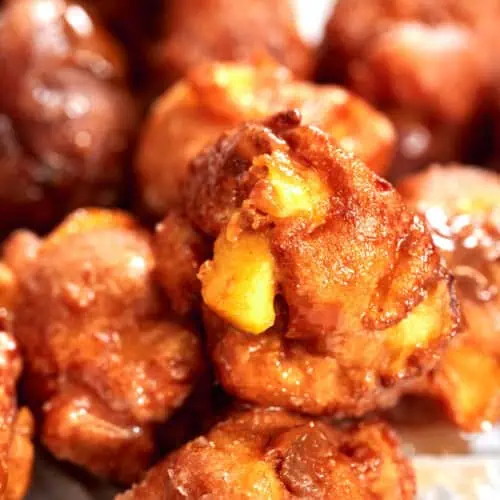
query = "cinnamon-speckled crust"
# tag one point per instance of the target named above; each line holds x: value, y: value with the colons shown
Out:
x: 462, y: 206
x: 16, y: 427
x: 364, y: 217
x: 428, y: 65
x: 105, y: 363
x: 216, y: 97
x: 276, y: 455
x: 363, y: 306
x: 362, y: 373
x: 66, y: 115
x: 197, y: 31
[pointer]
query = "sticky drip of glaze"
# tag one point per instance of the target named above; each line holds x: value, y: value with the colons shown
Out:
x: 471, y: 247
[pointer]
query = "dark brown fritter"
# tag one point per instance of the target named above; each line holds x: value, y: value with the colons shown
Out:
x: 66, y: 115
x: 105, y: 362
x: 324, y: 293
x: 276, y: 455
x: 429, y: 65
x: 129, y: 20
x: 16, y: 427
x: 137, y: 25
x: 462, y: 207
x: 216, y: 97
x: 196, y: 31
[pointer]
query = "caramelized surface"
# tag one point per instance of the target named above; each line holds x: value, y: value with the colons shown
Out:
x: 216, y: 97
x: 275, y: 455
x: 66, y: 115
x: 16, y: 427
x: 105, y: 363
x: 462, y: 207
x: 310, y: 241
x: 180, y: 250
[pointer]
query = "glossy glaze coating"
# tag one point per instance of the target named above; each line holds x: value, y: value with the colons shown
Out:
x: 105, y: 360
x: 462, y: 207
x: 65, y: 115
x: 324, y: 293
x: 16, y: 427
x: 217, y: 97
x: 275, y: 455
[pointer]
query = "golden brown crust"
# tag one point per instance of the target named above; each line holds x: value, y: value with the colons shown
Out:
x: 16, y: 449
x: 362, y: 371
x: 365, y: 217
x: 21, y: 457
x: 216, y: 97
x: 67, y: 116
x: 462, y: 206
x: 272, y: 454
x: 180, y: 250
x: 340, y: 283
x: 77, y: 427
x: 426, y: 64
x: 197, y: 31
x: 99, y: 343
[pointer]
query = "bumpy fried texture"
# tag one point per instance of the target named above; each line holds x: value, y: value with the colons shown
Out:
x: 462, y: 207
x: 276, y: 455
x: 66, y: 116
x: 197, y: 31
x: 104, y: 361
x: 16, y: 449
x: 217, y: 97
x: 324, y: 293
x: 180, y: 250
x: 21, y: 457
x: 426, y: 63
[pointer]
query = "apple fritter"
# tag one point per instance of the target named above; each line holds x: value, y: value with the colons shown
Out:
x: 216, y: 97
x: 267, y: 453
x: 106, y: 363
x: 195, y: 31
x: 428, y: 64
x: 66, y: 115
x: 324, y: 294
x: 462, y: 207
